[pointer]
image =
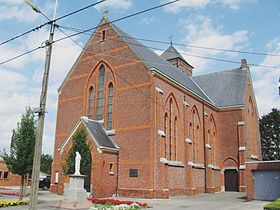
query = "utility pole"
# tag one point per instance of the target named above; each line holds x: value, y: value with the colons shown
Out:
x: 33, y: 199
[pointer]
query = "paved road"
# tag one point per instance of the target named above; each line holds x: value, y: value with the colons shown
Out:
x: 218, y: 201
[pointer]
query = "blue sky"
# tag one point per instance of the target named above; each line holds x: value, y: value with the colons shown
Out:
x: 246, y: 25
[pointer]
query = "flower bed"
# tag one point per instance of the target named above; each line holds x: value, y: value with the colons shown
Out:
x: 113, y: 204
x: 11, y: 192
x: 12, y: 203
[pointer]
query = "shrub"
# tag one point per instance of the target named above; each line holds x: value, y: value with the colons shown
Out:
x: 273, y: 206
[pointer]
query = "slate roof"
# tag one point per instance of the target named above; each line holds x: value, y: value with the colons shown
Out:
x: 155, y: 62
x: 97, y: 131
x: 225, y: 88
x: 171, y: 53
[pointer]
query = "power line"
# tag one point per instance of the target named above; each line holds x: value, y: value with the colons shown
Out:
x: 186, y: 45
x: 119, y: 19
x: 191, y: 55
x: 116, y: 20
x: 79, y: 10
x: 49, y: 21
x: 20, y: 55
x: 25, y: 33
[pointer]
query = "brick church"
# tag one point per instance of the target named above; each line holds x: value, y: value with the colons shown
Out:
x: 154, y: 130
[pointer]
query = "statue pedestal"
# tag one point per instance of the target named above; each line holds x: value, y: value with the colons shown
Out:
x: 75, y: 197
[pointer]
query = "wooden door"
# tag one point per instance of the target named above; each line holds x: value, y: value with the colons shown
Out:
x: 231, y: 180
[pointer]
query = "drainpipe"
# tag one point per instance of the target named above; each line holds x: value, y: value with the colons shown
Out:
x: 118, y: 162
x: 204, y: 148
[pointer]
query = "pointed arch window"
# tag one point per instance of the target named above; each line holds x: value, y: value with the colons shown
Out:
x: 170, y: 129
x: 100, y: 94
x: 90, y: 102
x: 175, y: 138
x: 110, y: 107
x: 165, y: 131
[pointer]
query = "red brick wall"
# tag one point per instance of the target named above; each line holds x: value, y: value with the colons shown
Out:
x: 138, y: 114
x: 131, y: 114
x: 11, y: 180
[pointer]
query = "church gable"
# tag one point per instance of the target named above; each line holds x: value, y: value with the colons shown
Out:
x: 96, y: 132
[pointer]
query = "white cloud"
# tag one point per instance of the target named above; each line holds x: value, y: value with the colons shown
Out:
x: 180, y: 5
x: 11, y: 1
x: 21, y: 13
x: 266, y: 80
x: 200, y: 31
x: 21, y: 82
x: 200, y: 4
x: 115, y: 4
x: 151, y: 20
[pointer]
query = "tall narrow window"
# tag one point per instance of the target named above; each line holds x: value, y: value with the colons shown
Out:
x: 175, y: 138
x: 165, y: 132
x: 170, y: 129
x: 110, y: 107
x: 100, y: 94
x: 103, y: 35
x: 90, y: 102
x: 194, y: 136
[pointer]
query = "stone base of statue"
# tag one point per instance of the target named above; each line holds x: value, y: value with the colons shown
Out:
x: 75, y: 197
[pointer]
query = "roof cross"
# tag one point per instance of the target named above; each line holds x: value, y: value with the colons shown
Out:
x: 170, y: 37
x: 105, y: 14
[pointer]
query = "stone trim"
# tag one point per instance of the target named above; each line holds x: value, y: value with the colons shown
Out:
x: 261, y: 161
x: 188, y: 141
x: 254, y: 157
x: 195, y: 165
x: 161, y: 133
x: 171, y: 162
x: 243, y: 148
x: 159, y: 90
x: 186, y: 104
x: 241, y: 123
x: 213, y: 167
x: 111, y: 132
x: 242, y: 167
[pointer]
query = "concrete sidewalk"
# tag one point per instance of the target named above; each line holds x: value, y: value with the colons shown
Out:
x: 46, y: 200
x: 217, y: 201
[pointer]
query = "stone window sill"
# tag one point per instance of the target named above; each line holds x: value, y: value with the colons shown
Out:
x: 214, y: 167
x: 196, y: 165
x: 171, y: 162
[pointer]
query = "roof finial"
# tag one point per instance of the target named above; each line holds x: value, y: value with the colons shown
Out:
x: 171, y: 37
x: 105, y: 14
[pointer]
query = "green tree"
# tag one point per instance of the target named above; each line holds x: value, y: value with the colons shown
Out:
x: 79, y: 144
x: 270, y: 135
x: 46, y: 163
x: 20, y: 159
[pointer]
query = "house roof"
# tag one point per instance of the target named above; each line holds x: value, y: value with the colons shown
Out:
x: 225, y: 88
x: 96, y: 132
x: 171, y: 53
x: 154, y: 62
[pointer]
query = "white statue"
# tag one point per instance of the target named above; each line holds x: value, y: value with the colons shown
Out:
x: 77, y: 163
